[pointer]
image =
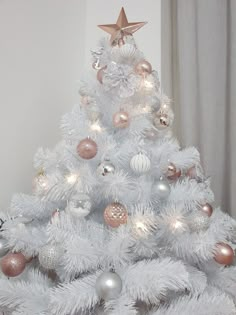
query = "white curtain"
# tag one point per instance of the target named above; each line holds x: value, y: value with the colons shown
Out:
x: 199, y: 73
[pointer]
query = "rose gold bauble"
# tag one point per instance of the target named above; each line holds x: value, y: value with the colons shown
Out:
x: 115, y: 214
x: 87, y: 149
x: 192, y: 173
x: 172, y: 172
x: 121, y: 119
x: 224, y: 254
x: 13, y: 264
x: 207, y: 208
x: 143, y: 68
x: 100, y: 74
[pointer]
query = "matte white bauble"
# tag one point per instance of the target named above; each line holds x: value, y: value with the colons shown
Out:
x: 140, y: 163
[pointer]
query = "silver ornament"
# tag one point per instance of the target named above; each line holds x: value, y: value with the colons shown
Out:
x: 108, y: 285
x: 105, y: 168
x: 79, y: 205
x: 3, y: 247
x: 162, y: 188
x: 49, y: 256
x: 140, y: 163
x: 198, y: 221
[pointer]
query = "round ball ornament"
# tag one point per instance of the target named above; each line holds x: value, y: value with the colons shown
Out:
x: 199, y: 221
x: 143, y: 68
x: 140, y: 163
x: 87, y: 149
x: 49, y: 256
x: 105, y: 168
x: 121, y: 119
x: 161, y: 121
x: 207, y: 208
x: 162, y: 188
x: 3, y: 247
x: 13, y: 264
x: 108, y: 286
x: 115, y: 214
x: 128, y: 51
x: 79, y: 205
x: 224, y: 254
x: 172, y: 172
x: 100, y: 74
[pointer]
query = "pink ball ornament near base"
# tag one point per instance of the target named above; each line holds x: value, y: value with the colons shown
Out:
x: 87, y: 149
x: 13, y: 264
x: 224, y: 254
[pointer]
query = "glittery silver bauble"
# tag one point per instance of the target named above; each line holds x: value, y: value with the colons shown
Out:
x: 140, y: 163
x: 162, y: 188
x: 49, y: 256
x: 79, y: 205
x: 105, y: 168
x: 3, y: 247
x: 108, y: 286
x: 199, y: 221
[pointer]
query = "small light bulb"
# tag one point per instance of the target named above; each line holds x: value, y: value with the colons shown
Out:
x: 96, y: 127
x: 72, y: 178
x: 177, y: 224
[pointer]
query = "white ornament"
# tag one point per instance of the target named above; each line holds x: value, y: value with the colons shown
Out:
x: 79, y: 205
x: 128, y: 51
x: 115, y: 54
x: 108, y: 286
x: 49, y: 256
x: 140, y: 163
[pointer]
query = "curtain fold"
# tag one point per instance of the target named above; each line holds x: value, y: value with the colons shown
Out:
x: 198, y: 72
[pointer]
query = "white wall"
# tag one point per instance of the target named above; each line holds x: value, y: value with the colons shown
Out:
x: 44, y: 45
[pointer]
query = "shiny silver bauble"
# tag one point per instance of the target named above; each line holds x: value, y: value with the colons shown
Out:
x: 108, y: 286
x: 49, y: 256
x: 105, y: 168
x: 162, y: 188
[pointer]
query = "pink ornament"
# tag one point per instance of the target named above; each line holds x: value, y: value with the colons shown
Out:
x: 100, y: 74
x: 115, y: 214
x: 13, y: 264
x: 143, y: 68
x: 87, y: 149
x: 121, y: 119
x: 207, y: 208
x: 172, y: 172
x: 224, y: 254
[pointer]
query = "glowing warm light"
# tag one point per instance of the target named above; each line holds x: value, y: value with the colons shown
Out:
x: 146, y: 109
x: 72, y: 178
x: 164, y: 106
x: 141, y: 226
x: 177, y: 224
x: 96, y: 127
x: 148, y: 85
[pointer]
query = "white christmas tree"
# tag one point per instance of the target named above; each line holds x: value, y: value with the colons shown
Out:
x: 121, y: 220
